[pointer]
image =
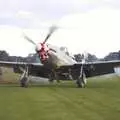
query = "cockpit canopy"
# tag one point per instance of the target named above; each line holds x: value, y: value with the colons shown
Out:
x: 64, y: 49
x: 66, y: 52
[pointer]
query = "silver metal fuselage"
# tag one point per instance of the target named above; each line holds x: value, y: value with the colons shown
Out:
x: 58, y: 57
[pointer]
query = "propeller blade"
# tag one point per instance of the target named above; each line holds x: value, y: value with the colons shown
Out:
x: 52, y: 29
x: 31, y: 41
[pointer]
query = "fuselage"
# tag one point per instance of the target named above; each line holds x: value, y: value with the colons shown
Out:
x: 58, y: 57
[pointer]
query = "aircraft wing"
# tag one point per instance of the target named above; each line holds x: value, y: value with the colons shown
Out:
x: 18, y: 64
x: 35, y: 69
x: 92, y: 68
x: 11, y: 64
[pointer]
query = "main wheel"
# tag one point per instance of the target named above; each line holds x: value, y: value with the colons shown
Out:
x: 80, y: 83
x: 23, y: 82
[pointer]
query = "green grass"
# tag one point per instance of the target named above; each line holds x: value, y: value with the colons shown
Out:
x: 9, y: 76
x: 100, y: 100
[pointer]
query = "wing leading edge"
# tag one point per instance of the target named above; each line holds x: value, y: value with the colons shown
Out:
x: 92, y: 68
x: 35, y: 69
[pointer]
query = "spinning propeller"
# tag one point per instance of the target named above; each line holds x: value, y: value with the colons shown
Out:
x: 51, y: 30
x: 41, y: 48
x: 31, y: 41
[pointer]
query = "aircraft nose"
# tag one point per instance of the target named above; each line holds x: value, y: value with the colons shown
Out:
x: 38, y: 47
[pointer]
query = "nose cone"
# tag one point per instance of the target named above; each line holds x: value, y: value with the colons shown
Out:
x: 41, y: 45
x: 38, y: 47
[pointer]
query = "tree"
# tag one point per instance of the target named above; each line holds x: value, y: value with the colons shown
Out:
x: 4, y: 56
x: 78, y: 57
x: 90, y: 57
x: 112, y: 56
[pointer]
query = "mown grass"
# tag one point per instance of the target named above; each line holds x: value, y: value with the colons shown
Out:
x: 8, y: 76
x: 100, y: 100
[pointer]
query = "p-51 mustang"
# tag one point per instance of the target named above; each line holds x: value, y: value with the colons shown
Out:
x: 57, y: 64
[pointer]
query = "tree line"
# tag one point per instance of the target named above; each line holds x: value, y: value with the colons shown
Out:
x: 4, y: 56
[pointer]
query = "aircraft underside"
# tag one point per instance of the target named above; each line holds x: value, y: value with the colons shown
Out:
x: 51, y: 74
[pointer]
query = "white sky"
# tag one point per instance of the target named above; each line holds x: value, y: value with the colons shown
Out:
x: 96, y: 31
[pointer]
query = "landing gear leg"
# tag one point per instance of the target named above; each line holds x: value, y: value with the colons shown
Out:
x: 70, y: 74
x: 24, y: 78
x: 51, y: 79
x: 23, y: 82
x: 53, y: 76
x: 56, y: 77
x: 81, y: 81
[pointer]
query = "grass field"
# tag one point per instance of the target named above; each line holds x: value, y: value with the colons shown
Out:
x: 100, y: 100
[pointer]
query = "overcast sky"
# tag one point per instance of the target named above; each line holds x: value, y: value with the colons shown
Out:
x: 85, y: 25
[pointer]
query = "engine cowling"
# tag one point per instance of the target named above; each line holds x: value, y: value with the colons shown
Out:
x: 43, y: 52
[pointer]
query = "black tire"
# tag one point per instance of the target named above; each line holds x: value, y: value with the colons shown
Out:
x: 80, y: 84
x: 23, y: 82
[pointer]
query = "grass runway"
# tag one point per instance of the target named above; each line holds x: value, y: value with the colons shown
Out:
x: 100, y: 100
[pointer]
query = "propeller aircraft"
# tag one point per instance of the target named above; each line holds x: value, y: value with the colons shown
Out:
x: 58, y: 64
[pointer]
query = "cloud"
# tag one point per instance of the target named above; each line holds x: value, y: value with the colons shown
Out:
x: 96, y: 31
x: 13, y: 42
x: 17, y: 12
x: 24, y: 14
